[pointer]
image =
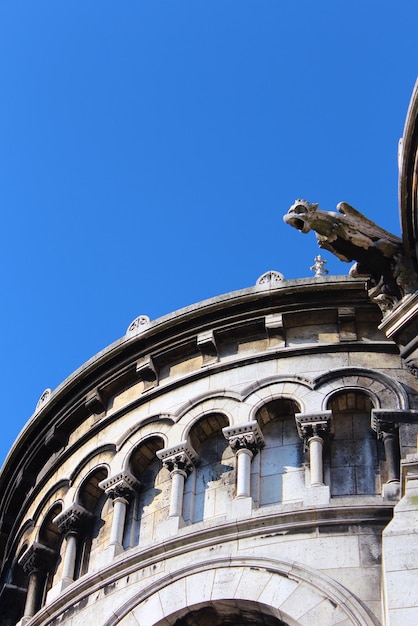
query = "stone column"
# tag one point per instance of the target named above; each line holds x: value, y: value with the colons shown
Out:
x: 70, y: 522
x: 121, y: 488
x: 386, y: 425
x: 313, y: 429
x: 245, y: 440
x: 36, y: 562
x: 179, y: 460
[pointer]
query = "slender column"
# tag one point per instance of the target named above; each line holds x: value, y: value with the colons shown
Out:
x: 245, y: 440
x: 121, y: 489
x: 313, y: 429
x: 179, y: 460
x: 35, y: 562
x: 386, y: 425
x: 70, y: 522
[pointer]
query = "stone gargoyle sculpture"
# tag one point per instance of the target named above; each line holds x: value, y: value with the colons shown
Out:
x: 351, y: 236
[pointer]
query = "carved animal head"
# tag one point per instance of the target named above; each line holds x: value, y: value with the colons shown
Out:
x: 300, y: 215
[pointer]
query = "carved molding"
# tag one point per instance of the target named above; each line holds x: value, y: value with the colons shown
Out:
x: 247, y: 436
x: 121, y: 485
x: 313, y: 424
x: 37, y: 558
x: 180, y: 457
x: 73, y: 519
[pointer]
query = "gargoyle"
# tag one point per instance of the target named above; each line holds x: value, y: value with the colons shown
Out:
x: 353, y: 237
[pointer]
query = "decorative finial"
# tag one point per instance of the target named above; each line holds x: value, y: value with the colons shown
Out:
x: 270, y: 279
x: 319, y: 266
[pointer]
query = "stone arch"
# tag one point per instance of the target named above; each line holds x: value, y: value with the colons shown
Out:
x: 277, y: 472
x: 290, y: 388
x: 141, y: 430
x: 353, y: 451
x: 291, y: 592
x: 385, y: 392
x: 102, y: 455
x: 211, y: 486
x: 225, y: 402
x: 91, y: 497
x: 150, y: 505
x: 56, y: 493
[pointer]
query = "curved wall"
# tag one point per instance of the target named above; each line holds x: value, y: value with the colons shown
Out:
x: 236, y: 460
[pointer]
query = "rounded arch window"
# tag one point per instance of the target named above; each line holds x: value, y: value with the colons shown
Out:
x: 353, y: 451
x: 150, y: 506
x: 277, y: 473
x: 211, y: 486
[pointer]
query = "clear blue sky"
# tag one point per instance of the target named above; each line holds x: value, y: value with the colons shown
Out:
x: 149, y: 148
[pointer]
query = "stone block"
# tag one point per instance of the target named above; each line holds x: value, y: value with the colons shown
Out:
x: 317, y: 495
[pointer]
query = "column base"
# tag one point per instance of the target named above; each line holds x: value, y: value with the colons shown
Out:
x: 316, y: 495
x: 169, y: 527
x: 57, y: 589
x: 240, y: 508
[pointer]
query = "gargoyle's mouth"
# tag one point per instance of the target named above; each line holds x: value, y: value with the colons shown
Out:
x: 296, y: 222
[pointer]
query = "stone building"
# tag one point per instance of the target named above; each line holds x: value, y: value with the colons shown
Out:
x: 251, y: 459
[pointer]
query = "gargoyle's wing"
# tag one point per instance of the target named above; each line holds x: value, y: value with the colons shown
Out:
x: 365, y: 225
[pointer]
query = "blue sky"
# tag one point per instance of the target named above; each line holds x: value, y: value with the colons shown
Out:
x: 149, y: 148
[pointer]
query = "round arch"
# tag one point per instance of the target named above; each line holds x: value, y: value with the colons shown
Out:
x: 288, y: 591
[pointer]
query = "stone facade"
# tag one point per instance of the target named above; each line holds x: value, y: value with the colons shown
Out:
x: 235, y: 462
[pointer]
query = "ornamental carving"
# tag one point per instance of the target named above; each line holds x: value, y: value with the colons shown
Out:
x: 313, y: 425
x: 139, y: 324
x: 181, y: 457
x: 245, y: 436
x: 122, y: 485
x: 73, y: 519
x: 45, y: 396
x: 351, y: 236
x: 270, y: 279
x: 37, y: 558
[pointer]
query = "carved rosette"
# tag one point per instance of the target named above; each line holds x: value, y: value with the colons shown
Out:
x: 245, y: 436
x: 122, y: 485
x: 313, y: 425
x: 37, y: 558
x: 73, y: 519
x: 178, y: 458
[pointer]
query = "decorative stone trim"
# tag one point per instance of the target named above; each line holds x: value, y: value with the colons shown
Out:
x: 139, y: 325
x: 270, y: 280
x: 383, y: 420
x: 347, y: 323
x: 179, y: 457
x: 206, y: 342
x: 73, y: 519
x: 45, y: 397
x: 247, y: 435
x: 121, y: 485
x: 95, y: 402
x: 147, y: 371
x: 313, y: 424
x: 37, y: 558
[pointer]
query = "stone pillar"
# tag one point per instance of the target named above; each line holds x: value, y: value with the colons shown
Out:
x: 313, y: 429
x: 179, y: 460
x: 70, y: 523
x: 386, y: 425
x: 121, y: 488
x: 36, y: 562
x: 245, y: 440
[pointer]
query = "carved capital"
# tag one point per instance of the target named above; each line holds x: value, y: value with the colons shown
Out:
x: 247, y: 436
x: 313, y: 425
x: 181, y: 457
x: 37, y: 558
x: 121, y: 485
x: 73, y: 519
x: 386, y: 421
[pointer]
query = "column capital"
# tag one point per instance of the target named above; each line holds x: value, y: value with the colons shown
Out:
x: 36, y: 558
x: 313, y: 425
x: 181, y: 457
x: 120, y: 485
x: 248, y: 436
x: 387, y: 421
x: 73, y: 519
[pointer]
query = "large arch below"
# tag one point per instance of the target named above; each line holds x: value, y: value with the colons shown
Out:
x: 290, y: 593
